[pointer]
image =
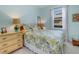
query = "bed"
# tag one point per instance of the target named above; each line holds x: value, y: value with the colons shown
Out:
x: 44, y: 41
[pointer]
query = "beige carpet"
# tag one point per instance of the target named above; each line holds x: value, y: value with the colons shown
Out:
x: 23, y: 50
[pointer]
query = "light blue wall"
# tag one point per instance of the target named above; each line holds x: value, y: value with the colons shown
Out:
x: 73, y: 26
x: 5, y: 20
x: 26, y: 13
x: 45, y: 12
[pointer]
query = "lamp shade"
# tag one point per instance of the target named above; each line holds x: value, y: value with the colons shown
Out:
x: 16, y: 21
x: 42, y: 21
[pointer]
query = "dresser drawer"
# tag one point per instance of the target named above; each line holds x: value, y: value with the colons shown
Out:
x: 4, y: 38
x: 7, y: 37
x: 11, y: 42
x: 11, y: 48
x: 16, y: 35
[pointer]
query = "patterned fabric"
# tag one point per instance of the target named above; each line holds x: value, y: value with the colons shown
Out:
x: 41, y: 43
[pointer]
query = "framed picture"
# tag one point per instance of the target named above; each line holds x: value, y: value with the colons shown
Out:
x: 58, y: 16
x: 75, y: 17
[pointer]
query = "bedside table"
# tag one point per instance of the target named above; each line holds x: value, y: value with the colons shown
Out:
x: 75, y: 42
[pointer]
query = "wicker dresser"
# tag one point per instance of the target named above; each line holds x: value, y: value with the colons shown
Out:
x: 10, y: 42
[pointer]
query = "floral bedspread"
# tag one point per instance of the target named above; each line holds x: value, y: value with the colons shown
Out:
x: 44, y: 42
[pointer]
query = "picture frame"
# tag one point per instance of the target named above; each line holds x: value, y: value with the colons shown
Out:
x: 58, y: 17
x: 75, y: 17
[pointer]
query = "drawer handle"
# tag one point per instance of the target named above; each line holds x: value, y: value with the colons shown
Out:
x: 19, y: 34
x: 4, y: 44
x: 5, y: 51
x: 4, y: 38
x: 19, y: 40
x: 19, y: 45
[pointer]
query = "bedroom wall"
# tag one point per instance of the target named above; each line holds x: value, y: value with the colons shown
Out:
x: 27, y: 14
x: 73, y: 26
x: 45, y: 12
x: 5, y: 20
